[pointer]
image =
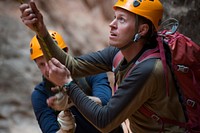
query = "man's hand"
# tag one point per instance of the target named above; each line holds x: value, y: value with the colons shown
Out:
x: 95, y: 99
x: 58, y: 73
x: 60, y: 101
x: 66, y: 121
x: 32, y: 18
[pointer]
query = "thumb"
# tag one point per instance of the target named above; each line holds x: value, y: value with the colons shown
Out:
x: 50, y: 101
x: 34, y: 7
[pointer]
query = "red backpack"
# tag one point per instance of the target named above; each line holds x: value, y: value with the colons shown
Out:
x: 185, y: 67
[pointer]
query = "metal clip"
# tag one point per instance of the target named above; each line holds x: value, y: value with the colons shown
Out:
x: 190, y: 103
x: 155, y: 117
x: 183, y: 68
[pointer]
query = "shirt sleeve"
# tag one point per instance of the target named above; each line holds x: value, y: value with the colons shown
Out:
x: 46, y: 117
x: 100, y: 87
x: 131, y: 94
x: 91, y: 63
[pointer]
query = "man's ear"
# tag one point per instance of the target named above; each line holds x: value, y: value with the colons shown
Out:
x: 143, y: 29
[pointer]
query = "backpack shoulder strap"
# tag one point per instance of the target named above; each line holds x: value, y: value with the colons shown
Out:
x: 116, y: 61
x: 164, y: 62
x: 151, y: 53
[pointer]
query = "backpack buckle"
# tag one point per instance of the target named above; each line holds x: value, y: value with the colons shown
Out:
x: 155, y: 117
x: 190, y: 103
x: 182, y: 68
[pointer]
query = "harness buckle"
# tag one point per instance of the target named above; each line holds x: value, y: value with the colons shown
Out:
x: 182, y: 68
x: 190, y: 102
x: 155, y: 117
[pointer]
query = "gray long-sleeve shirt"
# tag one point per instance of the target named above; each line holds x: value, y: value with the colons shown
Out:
x: 145, y: 85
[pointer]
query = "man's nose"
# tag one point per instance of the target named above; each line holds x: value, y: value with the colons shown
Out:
x: 113, y: 23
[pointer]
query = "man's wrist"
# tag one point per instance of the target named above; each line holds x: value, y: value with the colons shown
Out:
x: 43, y: 32
x: 66, y: 86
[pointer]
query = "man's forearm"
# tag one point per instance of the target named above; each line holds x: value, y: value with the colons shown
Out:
x: 51, y: 49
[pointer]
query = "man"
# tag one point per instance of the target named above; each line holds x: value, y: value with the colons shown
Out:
x: 133, y: 33
x: 96, y: 86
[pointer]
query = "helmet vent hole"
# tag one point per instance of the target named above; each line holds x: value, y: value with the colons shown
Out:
x: 136, y: 3
x: 31, y: 51
x: 53, y: 34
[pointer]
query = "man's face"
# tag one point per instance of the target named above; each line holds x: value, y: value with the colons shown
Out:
x: 43, y: 66
x: 122, y: 28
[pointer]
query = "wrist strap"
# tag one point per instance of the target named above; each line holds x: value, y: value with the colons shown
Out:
x: 66, y: 86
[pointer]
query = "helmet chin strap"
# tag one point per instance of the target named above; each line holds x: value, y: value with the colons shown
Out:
x: 136, y: 37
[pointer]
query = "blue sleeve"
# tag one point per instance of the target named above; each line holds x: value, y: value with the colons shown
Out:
x: 46, y: 117
x: 100, y: 87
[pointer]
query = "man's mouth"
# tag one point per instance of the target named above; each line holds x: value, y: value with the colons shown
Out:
x: 112, y: 34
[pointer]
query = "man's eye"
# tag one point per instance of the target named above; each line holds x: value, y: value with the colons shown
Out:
x: 121, y: 20
x: 42, y: 65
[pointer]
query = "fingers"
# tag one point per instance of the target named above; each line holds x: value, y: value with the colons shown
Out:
x: 58, y: 73
x: 27, y: 14
x: 55, y: 62
x: 58, y: 102
x: 53, y: 69
x: 51, y: 100
x: 59, y: 96
x: 53, y: 66
x: 67, y: 121
x: 56, y: 66
x: 23, y: 7
x: 30, y: 19
x: 95, y: 99
x: 56, y: 89
x: 26, y: 10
